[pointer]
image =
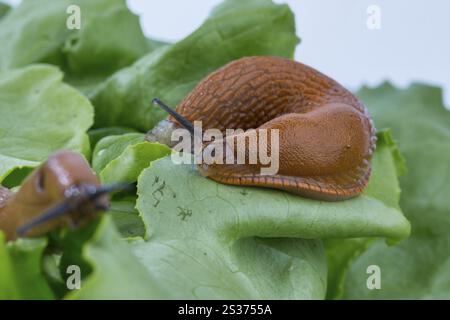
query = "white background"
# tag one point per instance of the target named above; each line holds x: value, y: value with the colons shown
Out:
x: 413, y: 43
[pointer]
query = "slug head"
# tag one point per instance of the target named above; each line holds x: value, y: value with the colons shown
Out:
x: 221, y: 155
x: 162, y: 132
x: 62, y: 191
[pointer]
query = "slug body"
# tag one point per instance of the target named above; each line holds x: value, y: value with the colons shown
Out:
x: 62, y: 178
x: 326, y: 136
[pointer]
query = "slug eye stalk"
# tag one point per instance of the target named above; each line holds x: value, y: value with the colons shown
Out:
x: 75, y: 197
x: 180, y: 119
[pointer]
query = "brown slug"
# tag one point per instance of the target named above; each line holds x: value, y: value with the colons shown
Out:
x: 326, y: 136
x: 64, y: 187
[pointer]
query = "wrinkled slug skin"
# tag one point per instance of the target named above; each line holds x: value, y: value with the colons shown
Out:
x: 327, y: 137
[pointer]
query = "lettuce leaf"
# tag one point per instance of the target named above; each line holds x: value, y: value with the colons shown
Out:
x: 122, y: 158
x: 134, y: 159
x: 126, y: 218
x: 154, y: 44
x: 255, y: 246
x: 170, y: 72
x: 116, y: 272
x: 110, y: 147
x: 95, y: 135
x: 170, y: 239
x: 110, y: 38
x: 419, y: 267
x: 4, y: 9
x: 40, y: 115
x: 119, y: 273
x: 342, y: 252
x: 21, y: 276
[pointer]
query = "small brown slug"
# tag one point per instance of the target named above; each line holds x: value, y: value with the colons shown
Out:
x: 62, y: 191
x: 326, y: 136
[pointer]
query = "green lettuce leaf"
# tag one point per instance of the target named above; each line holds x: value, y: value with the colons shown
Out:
x: 230, y: 6
x: 259, y: 28
x: 156, y: 44
x: 40, y: 115
x: 95, y: 135
x: 126, y: 218
x: 122, y: 158
x: 387, y: 165
x: 340, y: 255
x: 419, y: 267
x: 109, y: 148
x: 21, y: 276
x: 256, y: 245
x: 4, y: 9
x: 116, y: 272
x: 180, y: 209
x: 109, y: 39
x: 250, y: 248
x: 134, y: 159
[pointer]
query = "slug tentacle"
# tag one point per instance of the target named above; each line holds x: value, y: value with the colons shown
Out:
x: 327, y: 137
x: 75, y: 198
x: 180, y: 119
